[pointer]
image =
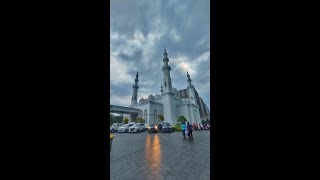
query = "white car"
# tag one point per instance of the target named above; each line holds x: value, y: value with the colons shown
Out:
x: 136, y: 128
x: 143, y: 126
x: 115, y: 127
x: 124, y: 128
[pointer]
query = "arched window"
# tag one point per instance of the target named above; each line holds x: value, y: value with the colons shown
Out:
x: 155, y: 116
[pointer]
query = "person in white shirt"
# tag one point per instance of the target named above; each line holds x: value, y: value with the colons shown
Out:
x: 201, y: 125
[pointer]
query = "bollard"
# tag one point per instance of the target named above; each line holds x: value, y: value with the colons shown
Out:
x: 111, y: 138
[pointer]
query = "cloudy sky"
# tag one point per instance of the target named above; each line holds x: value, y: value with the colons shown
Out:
x: 139, y: 32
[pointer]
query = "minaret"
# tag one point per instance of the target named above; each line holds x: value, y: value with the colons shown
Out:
x: 192, y: 96
x: 161, y: 90
x: 168, y: 95
x: 189, y: 80
x: 166, y: 72
x: 135, y: 91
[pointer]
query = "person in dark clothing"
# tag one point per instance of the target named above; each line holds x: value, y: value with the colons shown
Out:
x: 189, y: 127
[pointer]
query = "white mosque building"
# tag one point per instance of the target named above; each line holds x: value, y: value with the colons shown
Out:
x: 171, y: 103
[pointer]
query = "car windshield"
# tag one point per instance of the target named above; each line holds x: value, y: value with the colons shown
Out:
x: 151, y: 125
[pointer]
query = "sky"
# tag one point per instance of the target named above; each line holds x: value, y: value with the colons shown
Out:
x: 140, y: 30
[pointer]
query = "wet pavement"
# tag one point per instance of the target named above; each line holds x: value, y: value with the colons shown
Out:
x: 160, y: 156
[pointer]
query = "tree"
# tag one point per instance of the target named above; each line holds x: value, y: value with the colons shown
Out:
x: 182, y: 119
x: 139, y: 120
x: 161, y: 117
x: 125, y: 120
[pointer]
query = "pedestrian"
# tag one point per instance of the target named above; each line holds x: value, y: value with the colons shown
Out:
x: 183, y: 129
x: 186, y: 131
x: 189, y: 127
x: 199, y: 128
x: 201, y: 125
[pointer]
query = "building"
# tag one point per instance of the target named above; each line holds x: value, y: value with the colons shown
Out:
x: 170, y: 103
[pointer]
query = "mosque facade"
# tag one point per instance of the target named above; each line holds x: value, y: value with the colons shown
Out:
x: 171, y: 103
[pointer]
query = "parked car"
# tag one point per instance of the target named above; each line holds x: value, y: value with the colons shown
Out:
x: 136, y: 128
x: 115, y: 127
x: 152, y: 128
x: 124, y: 128
x: 166, y: 128
x: 143, y: 125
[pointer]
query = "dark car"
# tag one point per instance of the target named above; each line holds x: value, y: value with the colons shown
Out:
x: 152, y: 128
x: 166, y: 128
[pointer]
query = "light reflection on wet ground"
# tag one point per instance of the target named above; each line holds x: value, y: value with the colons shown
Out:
x: 148, y: 156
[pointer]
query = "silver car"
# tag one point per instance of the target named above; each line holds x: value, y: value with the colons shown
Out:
x: 136, y: 128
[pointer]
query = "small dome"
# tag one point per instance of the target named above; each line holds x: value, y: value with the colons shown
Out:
x: 141, y: 100
x: 150, y: 97
x: 157, y: 96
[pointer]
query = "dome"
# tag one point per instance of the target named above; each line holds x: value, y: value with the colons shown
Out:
x: 141, y: 100
x: 157, y: 96
x: 150, y: 97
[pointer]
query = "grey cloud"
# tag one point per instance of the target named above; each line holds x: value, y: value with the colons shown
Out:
x: 188, y: 20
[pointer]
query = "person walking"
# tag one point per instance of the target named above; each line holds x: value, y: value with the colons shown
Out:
x: 183, y: 128
x: 189, y: 127
x: 201, y: 125
x: 199, y: 128
x: 186, y: 131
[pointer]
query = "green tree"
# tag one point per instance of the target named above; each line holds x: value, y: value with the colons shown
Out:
x: 125, y: 120
x: 181, y: 119
x: 161, y: 117
x: 139, y: 120
x: 112, y: 119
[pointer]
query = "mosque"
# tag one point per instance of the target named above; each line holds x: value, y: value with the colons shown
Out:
x: 170, y: 103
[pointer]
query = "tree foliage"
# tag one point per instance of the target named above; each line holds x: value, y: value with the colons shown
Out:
x: 115, y: 119
x: 139, y: 120
x: 161, y: 117
x: 125, y: 120
x: 182, y: 119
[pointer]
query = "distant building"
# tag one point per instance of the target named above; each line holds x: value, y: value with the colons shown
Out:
x: 171, y: 103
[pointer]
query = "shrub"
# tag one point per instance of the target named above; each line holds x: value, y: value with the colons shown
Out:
x: 177, y: 127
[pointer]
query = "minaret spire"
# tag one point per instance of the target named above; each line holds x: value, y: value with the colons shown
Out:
x: 161, y: 90
x: 189, y: 79
x: 135, y: 90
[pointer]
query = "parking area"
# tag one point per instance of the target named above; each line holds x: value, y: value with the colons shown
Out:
x: 160, y: 156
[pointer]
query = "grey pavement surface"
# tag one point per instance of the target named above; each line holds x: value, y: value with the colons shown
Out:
x: 160, y: 156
